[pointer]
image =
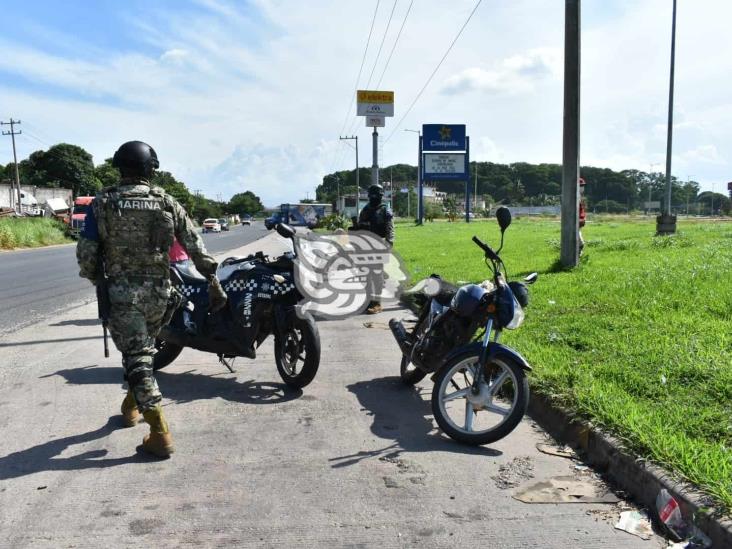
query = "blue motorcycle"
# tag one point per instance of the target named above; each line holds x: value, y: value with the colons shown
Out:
x: 480, y: 388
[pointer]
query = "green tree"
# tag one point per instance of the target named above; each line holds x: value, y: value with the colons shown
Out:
x: 63, y: 165
x: 176, y: 189
x: 106, y: 174
x: 405, y: 203
x: 244, y: 203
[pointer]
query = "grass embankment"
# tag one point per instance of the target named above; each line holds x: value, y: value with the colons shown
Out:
x: 30, y: 232
x: 638, y: 338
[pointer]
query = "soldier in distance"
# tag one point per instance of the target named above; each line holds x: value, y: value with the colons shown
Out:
x: 378, y: 219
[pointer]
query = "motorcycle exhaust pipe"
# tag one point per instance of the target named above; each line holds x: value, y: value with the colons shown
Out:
x: 400, y: 334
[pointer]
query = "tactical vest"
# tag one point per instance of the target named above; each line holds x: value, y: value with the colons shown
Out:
x: 377, y: 219
x: 137, y: 228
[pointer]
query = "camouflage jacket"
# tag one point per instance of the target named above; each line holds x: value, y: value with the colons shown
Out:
x: 379, y: 220
x: 133, y: 225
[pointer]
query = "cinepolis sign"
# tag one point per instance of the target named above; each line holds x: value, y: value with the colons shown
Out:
x: 443, y: 137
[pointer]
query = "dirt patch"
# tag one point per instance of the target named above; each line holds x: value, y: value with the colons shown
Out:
x: 512, y: 474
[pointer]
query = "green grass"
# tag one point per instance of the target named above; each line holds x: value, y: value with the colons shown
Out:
x: 30, y: 232
x: 637, y: 339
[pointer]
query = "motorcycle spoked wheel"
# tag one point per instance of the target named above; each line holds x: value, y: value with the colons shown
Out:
x: 166, y: 353
x: 488, y: 416
x: 297, y: 354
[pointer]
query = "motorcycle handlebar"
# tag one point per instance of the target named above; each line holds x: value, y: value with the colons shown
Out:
x: 489, y: 253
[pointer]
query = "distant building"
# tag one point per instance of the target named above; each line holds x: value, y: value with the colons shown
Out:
x: 431, y: 194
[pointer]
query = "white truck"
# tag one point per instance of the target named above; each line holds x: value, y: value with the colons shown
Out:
x: 28, y: 202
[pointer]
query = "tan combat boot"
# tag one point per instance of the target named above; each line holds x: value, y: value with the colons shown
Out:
x: 159, y: 442
x: 130, y: 415
x: 374, y: 308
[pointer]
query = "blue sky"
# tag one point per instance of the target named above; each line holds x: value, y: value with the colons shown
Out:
x: 253, y: 95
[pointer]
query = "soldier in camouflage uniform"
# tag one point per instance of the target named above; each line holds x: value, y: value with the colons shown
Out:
x: 378, y: 219
x: 133, y: 226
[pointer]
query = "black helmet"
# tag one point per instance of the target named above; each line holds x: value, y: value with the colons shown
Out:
x: 376, y: 189
x: 135, y: 159
x: 466, y: 300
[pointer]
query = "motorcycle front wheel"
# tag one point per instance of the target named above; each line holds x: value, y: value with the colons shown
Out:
x: 297, y: 353
x: 166, y: 353
x: 488, y: 416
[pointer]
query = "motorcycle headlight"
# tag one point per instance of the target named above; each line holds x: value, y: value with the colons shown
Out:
x: 510, y: 314
x: 518, y: 316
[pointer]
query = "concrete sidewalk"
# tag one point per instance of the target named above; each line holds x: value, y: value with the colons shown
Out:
x: 353, y: 460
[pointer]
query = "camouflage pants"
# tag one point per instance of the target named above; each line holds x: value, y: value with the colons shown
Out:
x: 135, y: 319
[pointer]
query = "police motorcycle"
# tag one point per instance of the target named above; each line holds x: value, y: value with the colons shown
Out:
x: 261, y: 301
x: 480, y: 388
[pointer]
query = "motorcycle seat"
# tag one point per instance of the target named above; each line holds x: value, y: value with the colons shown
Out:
x: 445, y: 296
x: 189, y: 274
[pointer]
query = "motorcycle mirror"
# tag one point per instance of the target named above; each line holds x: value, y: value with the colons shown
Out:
x: 284, y: 230
x: 503, y: 215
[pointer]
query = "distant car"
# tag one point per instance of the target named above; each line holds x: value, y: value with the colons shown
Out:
x: 247, y: 220
x: 224, y: 224
x: 211, y: 225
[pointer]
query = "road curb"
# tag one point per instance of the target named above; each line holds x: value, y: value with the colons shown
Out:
x: 637, y: 477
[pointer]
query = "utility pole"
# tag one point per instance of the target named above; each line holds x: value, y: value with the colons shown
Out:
x: 358, y: 182
x: 666, y: 222
x: 570, y: 156
x: 650, y: 184
x: 391, y: 190
x: 15, y: 198
x: 475, y: 191
x: 420, y: 193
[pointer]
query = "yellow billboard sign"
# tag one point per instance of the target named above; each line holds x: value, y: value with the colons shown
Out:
x: 375, y: 103
x: 370, y: 96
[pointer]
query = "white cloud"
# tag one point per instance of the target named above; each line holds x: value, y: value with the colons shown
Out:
x: 703, y: 154
x: 517, y: 74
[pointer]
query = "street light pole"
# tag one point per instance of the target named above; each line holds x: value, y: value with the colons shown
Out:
x: 358, y: 183
x: 420, y: 204
x: 666, y: 222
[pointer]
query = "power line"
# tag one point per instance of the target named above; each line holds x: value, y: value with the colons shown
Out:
x: 395, y: 43
x: 376, y: 61
x: 383, y: 39
x: 337, y: 155
x: 433, y: 72
x: 360, y: 70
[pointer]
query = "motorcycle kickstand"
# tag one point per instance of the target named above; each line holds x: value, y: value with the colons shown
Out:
x: 228, y: 363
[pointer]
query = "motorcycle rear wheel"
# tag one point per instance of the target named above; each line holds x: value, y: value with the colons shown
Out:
x: 297, y: 354
x: 167, y: 353
x: 504, y: 396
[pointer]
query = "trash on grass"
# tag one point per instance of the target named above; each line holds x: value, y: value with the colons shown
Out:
x: 566, y: 490
x: 561, y: 451
x: 636, y: 523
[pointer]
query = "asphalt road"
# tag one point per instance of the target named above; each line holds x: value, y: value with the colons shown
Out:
x: 352, y: 460
x: 38, y: 283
